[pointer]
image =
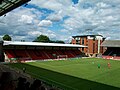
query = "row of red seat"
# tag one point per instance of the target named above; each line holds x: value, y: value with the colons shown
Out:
x: 41, y: 54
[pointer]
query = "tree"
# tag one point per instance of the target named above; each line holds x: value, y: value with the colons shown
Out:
x: 42, y: 38
x: 51, y: 41
x: 7, y: 37
x: 59, y: 41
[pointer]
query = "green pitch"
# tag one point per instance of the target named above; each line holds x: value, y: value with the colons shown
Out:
x: 77, y: 74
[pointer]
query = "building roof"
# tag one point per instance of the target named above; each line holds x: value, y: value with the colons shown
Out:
x: 111, y: 43
x: 41, y: 44
x: 8, y: 5
x: 87, y: 35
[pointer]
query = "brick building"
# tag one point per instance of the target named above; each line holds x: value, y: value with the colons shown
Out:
x: 93, y: 43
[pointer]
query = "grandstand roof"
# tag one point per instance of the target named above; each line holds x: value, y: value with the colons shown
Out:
x: 8, y: 5
x: 87, y: 35
x: 111, y: 43
x: 41, y: 44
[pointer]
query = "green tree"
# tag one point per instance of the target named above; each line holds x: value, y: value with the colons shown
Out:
x: 7, y: 37
x: 59, y: 41
x: 42, y: 38
x: 51, y: 41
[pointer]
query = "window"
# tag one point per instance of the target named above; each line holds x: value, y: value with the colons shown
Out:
x: 94, y: 38
x: 82, y: 41
x: 82, y: 49
x: 77, y: 38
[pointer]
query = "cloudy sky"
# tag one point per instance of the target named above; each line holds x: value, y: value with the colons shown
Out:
x: 62, y: 19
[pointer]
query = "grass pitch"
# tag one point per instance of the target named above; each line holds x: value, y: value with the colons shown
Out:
x: 76, y: 74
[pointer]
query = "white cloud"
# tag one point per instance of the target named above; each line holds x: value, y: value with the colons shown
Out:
x: 51, y: 34
x: 103, y: 16
x: 97, y: 15
x: 45, y: 23
x: 102, y: 5
x: 35, y: 33
x: 22, y: 23
x: 26, y: 19
x: 55, y: 5
x: 55, y: 16
x: 64, y: 30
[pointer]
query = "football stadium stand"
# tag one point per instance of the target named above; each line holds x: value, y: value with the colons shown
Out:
x: 23, y: 51
x: 113, y: 49
x: 5, y: 7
